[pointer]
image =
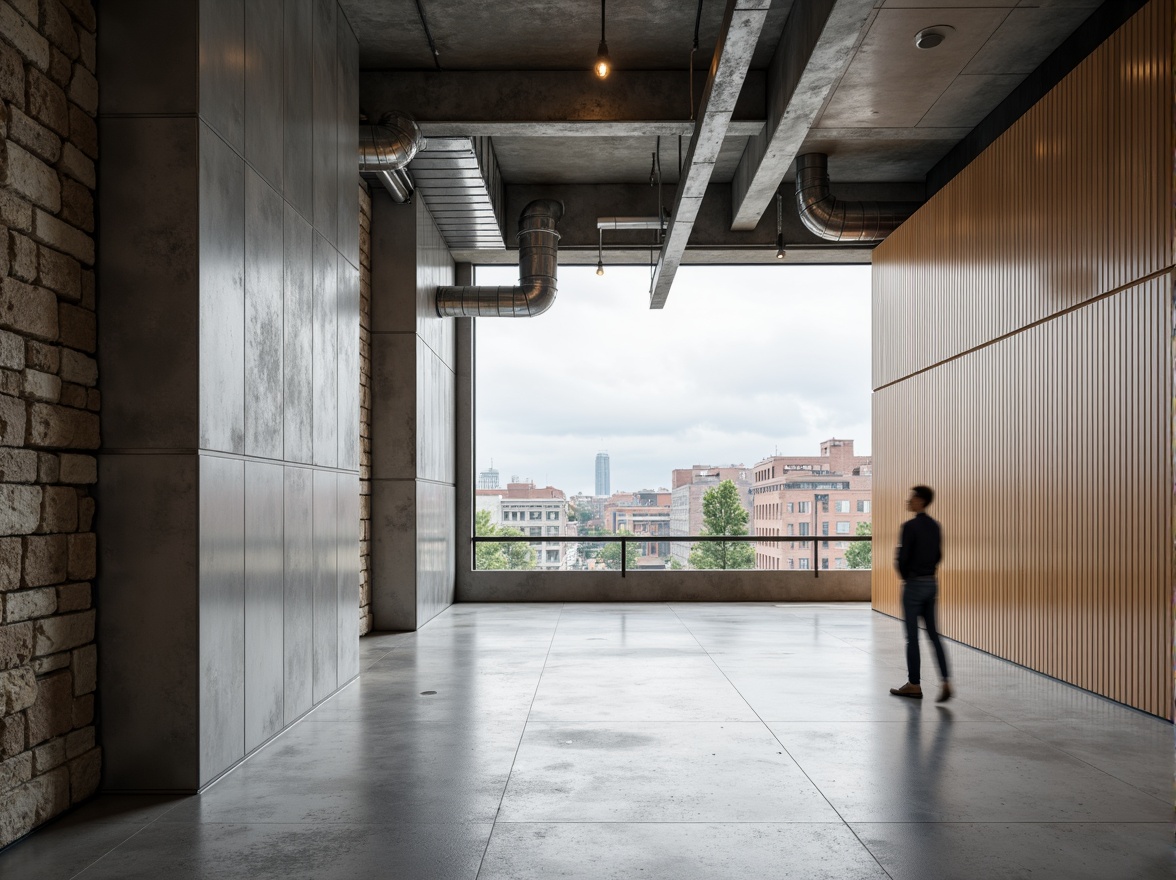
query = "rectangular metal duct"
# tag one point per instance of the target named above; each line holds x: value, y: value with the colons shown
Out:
x: 460, y: 182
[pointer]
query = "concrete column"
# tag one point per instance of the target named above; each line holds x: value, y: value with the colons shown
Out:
x: 229, y: 328
x: 413, y: 439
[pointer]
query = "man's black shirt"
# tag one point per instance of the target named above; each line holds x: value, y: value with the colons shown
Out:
x: 920, y: 547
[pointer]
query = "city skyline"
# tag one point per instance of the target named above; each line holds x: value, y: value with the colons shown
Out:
x: 783, y: 367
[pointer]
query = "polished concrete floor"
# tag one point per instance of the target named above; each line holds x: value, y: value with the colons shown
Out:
x: 664, y: 742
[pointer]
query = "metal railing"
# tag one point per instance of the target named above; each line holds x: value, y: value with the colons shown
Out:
x: 624, y: 540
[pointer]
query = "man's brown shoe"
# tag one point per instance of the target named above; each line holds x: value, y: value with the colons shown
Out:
x: 945, y: 693
x: 908, y: 690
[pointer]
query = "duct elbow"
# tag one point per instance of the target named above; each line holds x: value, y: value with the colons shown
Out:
x: 829, y: 218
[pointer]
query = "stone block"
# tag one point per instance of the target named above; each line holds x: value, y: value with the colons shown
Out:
x: 85, y: 514
x: 28, y: 309
x: 12, y: 78
x: 73, y: 395
x: 60, y: 272
x: 77, y: 205
x: 79, y: 470
x: 83, y: 556
x: 27, y: 8
x: 12, y: 421
x: 49, y: 755
x: 84, y: 666
x: 19, y: 769
x: 52, y: 713
x: 12, y: 735
x: 43, y: 356
x: 30, y: 134
x: 22, y: 257
x: 10, y: 561
x: 58, y: 27
x: 16, y: 645
x: 42, y: 666
x: 48, y: 467
x: 12, y: 382
x: 59, y: 67
x: 83, y: 89
x: 83, y: 710
x: 85, y: 772
x: 29, y: 604
x: 48, y: 230
x: 78, y: 329
x: 23, y: 36
x: 62, y: 427
x: 32, y: 178
x: 31, y: 804
x: 63, y: 632
x: 59, y: 509
x: 87, y: 51
x: 15, y: 212
x: 93, y: 400
x: 18, y: 465
x: 83, y: 11
x: 46, y: 100
x: 19, y: 505
x: 12, y: 351
x: 77, y: 165
x: 18, y: 690
x: 78, y: 368
x: 46, y: 559
x: 79, y: 742
x: 41, y: 386
x: 73, y: 597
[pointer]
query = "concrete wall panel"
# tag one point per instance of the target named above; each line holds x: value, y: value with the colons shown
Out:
x: 264, y: 602
x: 264, y: 89
x: 347, y: 613
x: 326, y: 584
x: 434, y: 268
x: 326, y: 353
x: 435, y: 437
x: 298, y: 339
x: 264, y: 378
x: 436, y: 575
x: 299, y: 591
x: 394, y: 557
x: 347, y: 83
x: 325, y: 140
x: 348, y: 366
x: 394, y: 416
x: 221, y: 615
x: 299, y: 106
x: 222, y: 73
x: 394, y: 274
x: 222, y: 295
x: 148, y: 61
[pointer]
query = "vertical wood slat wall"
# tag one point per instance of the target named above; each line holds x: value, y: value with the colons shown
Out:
x: 1023, y: 368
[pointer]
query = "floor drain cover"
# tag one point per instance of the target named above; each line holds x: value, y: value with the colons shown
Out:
x: 427, y: 693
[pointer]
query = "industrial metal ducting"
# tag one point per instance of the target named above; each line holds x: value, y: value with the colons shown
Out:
x: 538, y: 243
x: 836, y: 220
x: 386, y: 148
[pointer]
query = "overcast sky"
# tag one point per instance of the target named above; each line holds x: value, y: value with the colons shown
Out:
x: 743, y: 361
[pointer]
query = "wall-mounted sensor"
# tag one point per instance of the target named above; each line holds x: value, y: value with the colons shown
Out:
x: 929, y: 38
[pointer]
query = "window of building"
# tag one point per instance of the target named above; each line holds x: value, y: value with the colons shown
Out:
x: 824, y: 527
x: 804, y: 507
x: 842, y: 507
x: 804, y: 528
x: 553, y: 514
x: 791, y: 507
x: 553, y: 530
x: 791, y: 529
x: 843, y: 528
x: 840, y: 562
x: 536, y: 514
x: 863, y: 507
x: 825, y: 562
x: 553, y: 555
x: 803, y: 563
x: 536, y: 531
x: 791, y: 562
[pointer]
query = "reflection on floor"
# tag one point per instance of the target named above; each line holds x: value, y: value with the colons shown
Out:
x: 666, y: 742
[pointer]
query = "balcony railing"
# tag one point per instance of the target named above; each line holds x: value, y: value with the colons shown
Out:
x: 625, y: 540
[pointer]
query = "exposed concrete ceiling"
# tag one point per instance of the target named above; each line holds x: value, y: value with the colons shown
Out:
x: 842, y: 77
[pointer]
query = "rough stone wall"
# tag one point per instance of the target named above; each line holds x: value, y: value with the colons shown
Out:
x: 49, y: 404
x: 365, y: 411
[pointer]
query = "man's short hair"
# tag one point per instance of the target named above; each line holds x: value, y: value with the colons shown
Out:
x: 924, y: 492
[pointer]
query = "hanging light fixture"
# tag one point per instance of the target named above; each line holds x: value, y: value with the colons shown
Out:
x: 599, y: 251
x: 779, y: 226
x: 603, y: 65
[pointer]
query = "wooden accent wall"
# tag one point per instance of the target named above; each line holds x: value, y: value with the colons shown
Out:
x: 1023, y: 325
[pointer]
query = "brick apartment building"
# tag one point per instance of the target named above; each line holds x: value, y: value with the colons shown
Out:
x: 537, y: 513
x: 826, y: 496
x: 688, y: 485
x: 642, y: 513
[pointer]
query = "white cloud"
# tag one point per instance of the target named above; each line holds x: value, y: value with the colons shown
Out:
x: 743, y: 361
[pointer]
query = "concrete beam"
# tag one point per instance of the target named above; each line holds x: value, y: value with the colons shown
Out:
x: 576, y: 128
x: 555, y: 98
x: 742, y: 23
x: 810, y: 58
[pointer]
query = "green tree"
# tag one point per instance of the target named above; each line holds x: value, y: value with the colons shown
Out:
x: 610, y: 554
x: 861, y: 553
x: 722, y: 514
x: 496, y: 556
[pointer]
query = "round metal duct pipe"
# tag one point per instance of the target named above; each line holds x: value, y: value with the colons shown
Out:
x: 535, y: 293
x: 386, y: 148
x: 836, y: 220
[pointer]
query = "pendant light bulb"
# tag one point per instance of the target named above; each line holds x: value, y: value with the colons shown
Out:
x: 603, y: 65
x: 780, y: 247
x: 599, y: 267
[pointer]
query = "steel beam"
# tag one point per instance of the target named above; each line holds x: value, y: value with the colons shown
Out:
x: 809, y: 61
x: 742, y: 23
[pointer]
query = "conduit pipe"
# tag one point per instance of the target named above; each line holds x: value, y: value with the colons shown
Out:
x: 386, y: 148
x: 535, y: 293
x: 615, y: 224
x: 835, y: 220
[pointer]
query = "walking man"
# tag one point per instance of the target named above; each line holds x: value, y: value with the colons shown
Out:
x: 920, y: 549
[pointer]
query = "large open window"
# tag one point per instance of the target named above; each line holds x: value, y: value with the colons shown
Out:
x: 741, y: 409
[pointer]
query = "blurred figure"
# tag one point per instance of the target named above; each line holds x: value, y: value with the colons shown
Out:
x: 920, y: 549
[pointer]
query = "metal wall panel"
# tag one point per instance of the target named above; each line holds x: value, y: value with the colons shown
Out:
x: 264, y: 89
x: 435, y: 435
x: 299, y: 591
x: 263, y: 318
x: 326, y: 353
x: 222, y: 614
x: 435, y: 558
x: 222, y: 75
x: 434, y: 268
x: 326, y: 584
x: 325, y: 141
x: 347, y: 83
x: 1022, y: 327
x: 298, y: 122
x: 348, y: 369
x: 264, y: 602
x: 298, y: 339
x: 347, y: 613
x: 222, y: 295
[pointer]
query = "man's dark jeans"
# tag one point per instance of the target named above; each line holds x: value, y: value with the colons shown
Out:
x: 918, y: 600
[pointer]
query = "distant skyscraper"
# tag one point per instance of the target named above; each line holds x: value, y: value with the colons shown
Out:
x: 602, y: 477
x: 488, y: 479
